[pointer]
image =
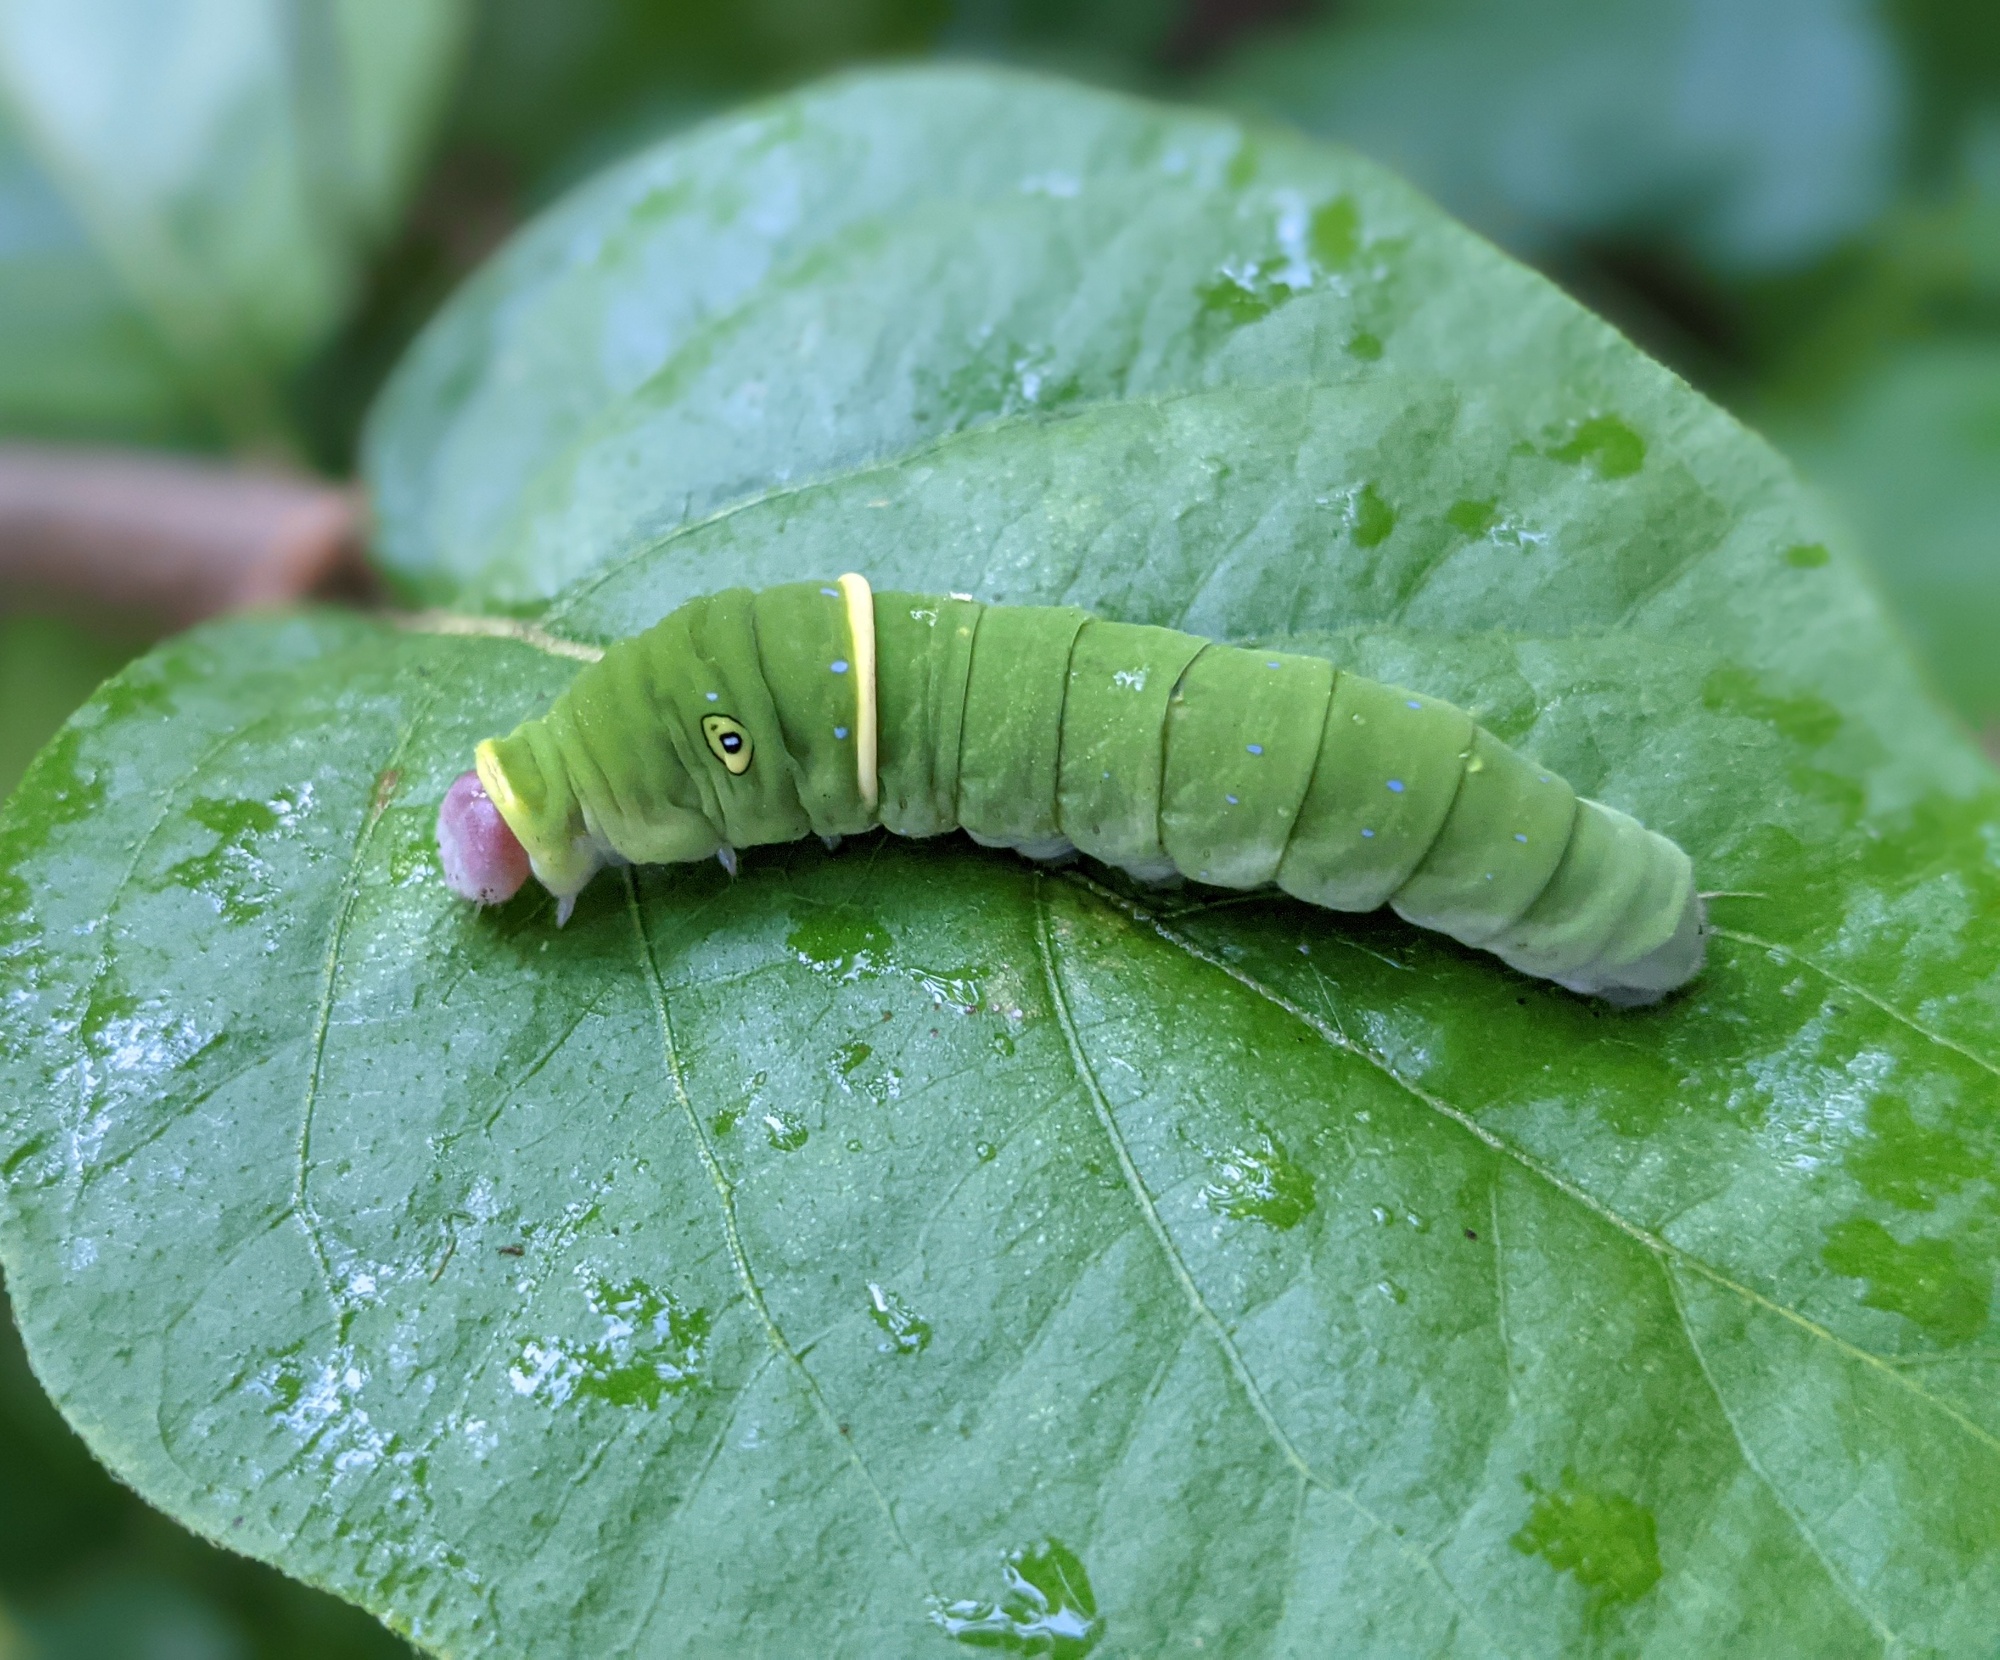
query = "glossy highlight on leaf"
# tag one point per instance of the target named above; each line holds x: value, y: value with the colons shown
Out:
x: 1048, y: 1608
x: 1260, y: 1181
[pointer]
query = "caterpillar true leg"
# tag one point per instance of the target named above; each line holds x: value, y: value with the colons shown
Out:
x: 825, y: 709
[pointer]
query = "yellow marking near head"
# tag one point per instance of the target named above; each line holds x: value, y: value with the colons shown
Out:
x: 493, y: 780
x: 500, y: 791
x: 861, y: 629
x: 728, y: 742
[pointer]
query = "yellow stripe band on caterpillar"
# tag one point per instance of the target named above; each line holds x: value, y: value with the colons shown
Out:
x: 861, y: 630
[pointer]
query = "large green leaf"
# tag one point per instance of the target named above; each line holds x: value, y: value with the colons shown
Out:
x: 194, y: 190
x: 902, y: 1242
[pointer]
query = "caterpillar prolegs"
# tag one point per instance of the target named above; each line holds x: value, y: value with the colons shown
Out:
x: 822, y: 708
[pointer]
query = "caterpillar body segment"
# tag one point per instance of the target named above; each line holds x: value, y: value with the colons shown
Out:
x: 819, y: 708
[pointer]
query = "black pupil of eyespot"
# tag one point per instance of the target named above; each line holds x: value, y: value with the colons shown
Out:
x: 731, y: 742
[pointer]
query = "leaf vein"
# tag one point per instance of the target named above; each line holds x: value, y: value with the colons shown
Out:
x: 1882, y: 1004
x: 302, y: 1205
x: 644, y: 1622
x: 460, y: 625
x: 1335, y: 1038
x: 1849, y: 1592
x: 725, y: 1193
x: 1142, y: 1197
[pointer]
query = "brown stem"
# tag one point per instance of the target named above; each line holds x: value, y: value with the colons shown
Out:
x: 175, y: 539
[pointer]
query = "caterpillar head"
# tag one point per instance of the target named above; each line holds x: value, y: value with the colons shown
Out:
x: 484, y: 860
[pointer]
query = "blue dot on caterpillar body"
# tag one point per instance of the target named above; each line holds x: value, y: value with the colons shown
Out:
x: 1396, y: 786
x: 840, y: 665
x: 840, y: 731
x: 1415, y: 704
x: 1255, y: 749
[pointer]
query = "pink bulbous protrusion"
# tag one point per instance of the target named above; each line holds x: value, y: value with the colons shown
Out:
x: 483, y: 859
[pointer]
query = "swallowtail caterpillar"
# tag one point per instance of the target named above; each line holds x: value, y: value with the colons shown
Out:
x: 745, y: 718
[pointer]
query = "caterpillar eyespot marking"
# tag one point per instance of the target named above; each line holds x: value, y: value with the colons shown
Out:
x: 728, y: 742
x: 1050, y: 731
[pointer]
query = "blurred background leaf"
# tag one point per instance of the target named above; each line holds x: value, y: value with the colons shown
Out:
x: 1913, y: 456
x: 1750, y: 136
x: 49, y: 663
x: 145, y: 1617
x: 557, y: 90
x: 78, y: 357
x: 230, y: 163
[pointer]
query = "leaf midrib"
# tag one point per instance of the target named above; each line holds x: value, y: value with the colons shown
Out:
x: 1662, y: 1248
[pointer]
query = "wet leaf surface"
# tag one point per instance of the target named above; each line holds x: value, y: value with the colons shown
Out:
x: 902, y: 1246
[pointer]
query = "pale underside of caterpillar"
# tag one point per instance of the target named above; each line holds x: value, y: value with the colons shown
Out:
x: 822, y: 708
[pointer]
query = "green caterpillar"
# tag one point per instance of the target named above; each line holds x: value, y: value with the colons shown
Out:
x: 745, y: 718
